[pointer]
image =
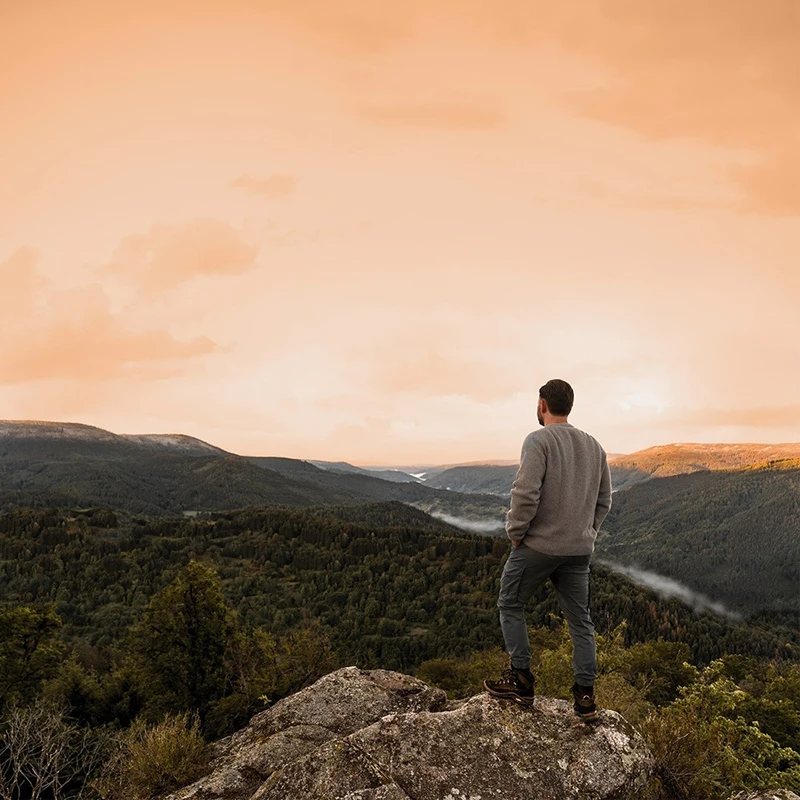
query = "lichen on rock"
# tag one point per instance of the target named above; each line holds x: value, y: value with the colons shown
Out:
x: 379, y: 735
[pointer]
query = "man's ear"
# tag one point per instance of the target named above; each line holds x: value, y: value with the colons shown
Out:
x: 543, y: 405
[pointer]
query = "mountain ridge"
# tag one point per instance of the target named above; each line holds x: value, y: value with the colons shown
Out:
x: 687, y: 457
x: 73, y: 463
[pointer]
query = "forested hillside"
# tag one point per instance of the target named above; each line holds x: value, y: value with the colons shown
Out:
x: 131, y: 639
x: 388, y: 584
x: 732, y: 535
x: 394, y: 475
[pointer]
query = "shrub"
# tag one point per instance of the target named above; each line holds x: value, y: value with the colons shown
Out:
x: 463, y: 677
x: 153, y: 760
x: 708, y: 754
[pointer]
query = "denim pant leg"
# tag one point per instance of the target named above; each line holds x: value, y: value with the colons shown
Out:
x: 525, y: 571
x: 571, y: 580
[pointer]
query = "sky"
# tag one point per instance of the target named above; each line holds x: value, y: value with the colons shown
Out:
x: 349, y: 230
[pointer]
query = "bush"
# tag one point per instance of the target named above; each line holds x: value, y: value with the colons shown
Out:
x: 153, y: 760
x: 705, y: 752
x: 463, y: 677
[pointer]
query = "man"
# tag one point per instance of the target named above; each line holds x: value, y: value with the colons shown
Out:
x: 560, y: 496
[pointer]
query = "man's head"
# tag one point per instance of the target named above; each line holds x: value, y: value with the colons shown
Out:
x: 555, y: 397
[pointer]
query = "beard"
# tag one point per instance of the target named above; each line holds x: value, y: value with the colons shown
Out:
x: 540, y: 417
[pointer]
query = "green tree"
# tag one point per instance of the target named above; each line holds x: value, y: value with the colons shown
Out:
x: 176, y: 652
x: 29, y: 651
x: 251, y: 674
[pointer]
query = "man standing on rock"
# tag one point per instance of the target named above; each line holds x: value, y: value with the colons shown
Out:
x: 559, y: 499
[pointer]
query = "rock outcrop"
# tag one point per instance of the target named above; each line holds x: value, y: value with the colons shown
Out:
x: 771, y: 794
x: 378, y: 735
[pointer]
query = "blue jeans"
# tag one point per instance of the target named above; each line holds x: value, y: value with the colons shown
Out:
x: 525, y: 571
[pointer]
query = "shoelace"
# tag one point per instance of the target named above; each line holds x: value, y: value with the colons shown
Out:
x: 509, y: 676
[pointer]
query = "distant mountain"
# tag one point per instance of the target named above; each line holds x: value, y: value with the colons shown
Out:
x: 626, y: 470
x: 395, y: 475
x: 733, y: 535
x: 97, y: 468
x: 678, y: 459
x: 430, y: 499
x: 483, y: 478
x: 50, y: 463
x: 492, y: 477
x: 48, y: 437
x: 425, y: 472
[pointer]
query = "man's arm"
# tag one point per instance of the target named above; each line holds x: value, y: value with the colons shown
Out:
x: 526, y: 490
x: 603, y: 496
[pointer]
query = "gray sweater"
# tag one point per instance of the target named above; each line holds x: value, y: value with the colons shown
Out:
x: 562, y: 491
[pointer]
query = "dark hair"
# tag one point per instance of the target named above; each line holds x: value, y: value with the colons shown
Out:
x: 559, y: 397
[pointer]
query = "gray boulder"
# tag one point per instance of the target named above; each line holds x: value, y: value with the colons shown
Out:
x: 335, y: 706
x: 377, y: 735
x: 766, y: 794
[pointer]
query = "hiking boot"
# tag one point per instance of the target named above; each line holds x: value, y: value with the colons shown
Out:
x: 514, y: 684
x: 584, y: 702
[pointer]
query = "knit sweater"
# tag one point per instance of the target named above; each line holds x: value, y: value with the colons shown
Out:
x: 562, y: 491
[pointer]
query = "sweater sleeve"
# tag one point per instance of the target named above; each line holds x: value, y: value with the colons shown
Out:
x: 603, y: 496
x: 526, y: 489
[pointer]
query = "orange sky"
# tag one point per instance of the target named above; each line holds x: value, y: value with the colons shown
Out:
x: 343, y: 229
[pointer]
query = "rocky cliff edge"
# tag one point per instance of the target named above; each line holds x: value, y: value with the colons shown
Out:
x: 378, y: 735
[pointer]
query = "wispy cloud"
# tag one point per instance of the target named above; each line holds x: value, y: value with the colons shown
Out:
x: 669, y: 588
x: 488, y: 526
x: 169, y: 255
x: 50, y: 333
x: 276, y: 186
x: 724, y: 72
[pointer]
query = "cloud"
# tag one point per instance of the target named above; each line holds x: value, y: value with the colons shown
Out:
x: 720, y: 72
x: 437, y: 116
x: 723, y: 71
x: 96, y: 349
x: 486, y: 526
x: 170, y: 255
x: 276, y: 185
x: 669, y: 588
x: 48, y: 333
